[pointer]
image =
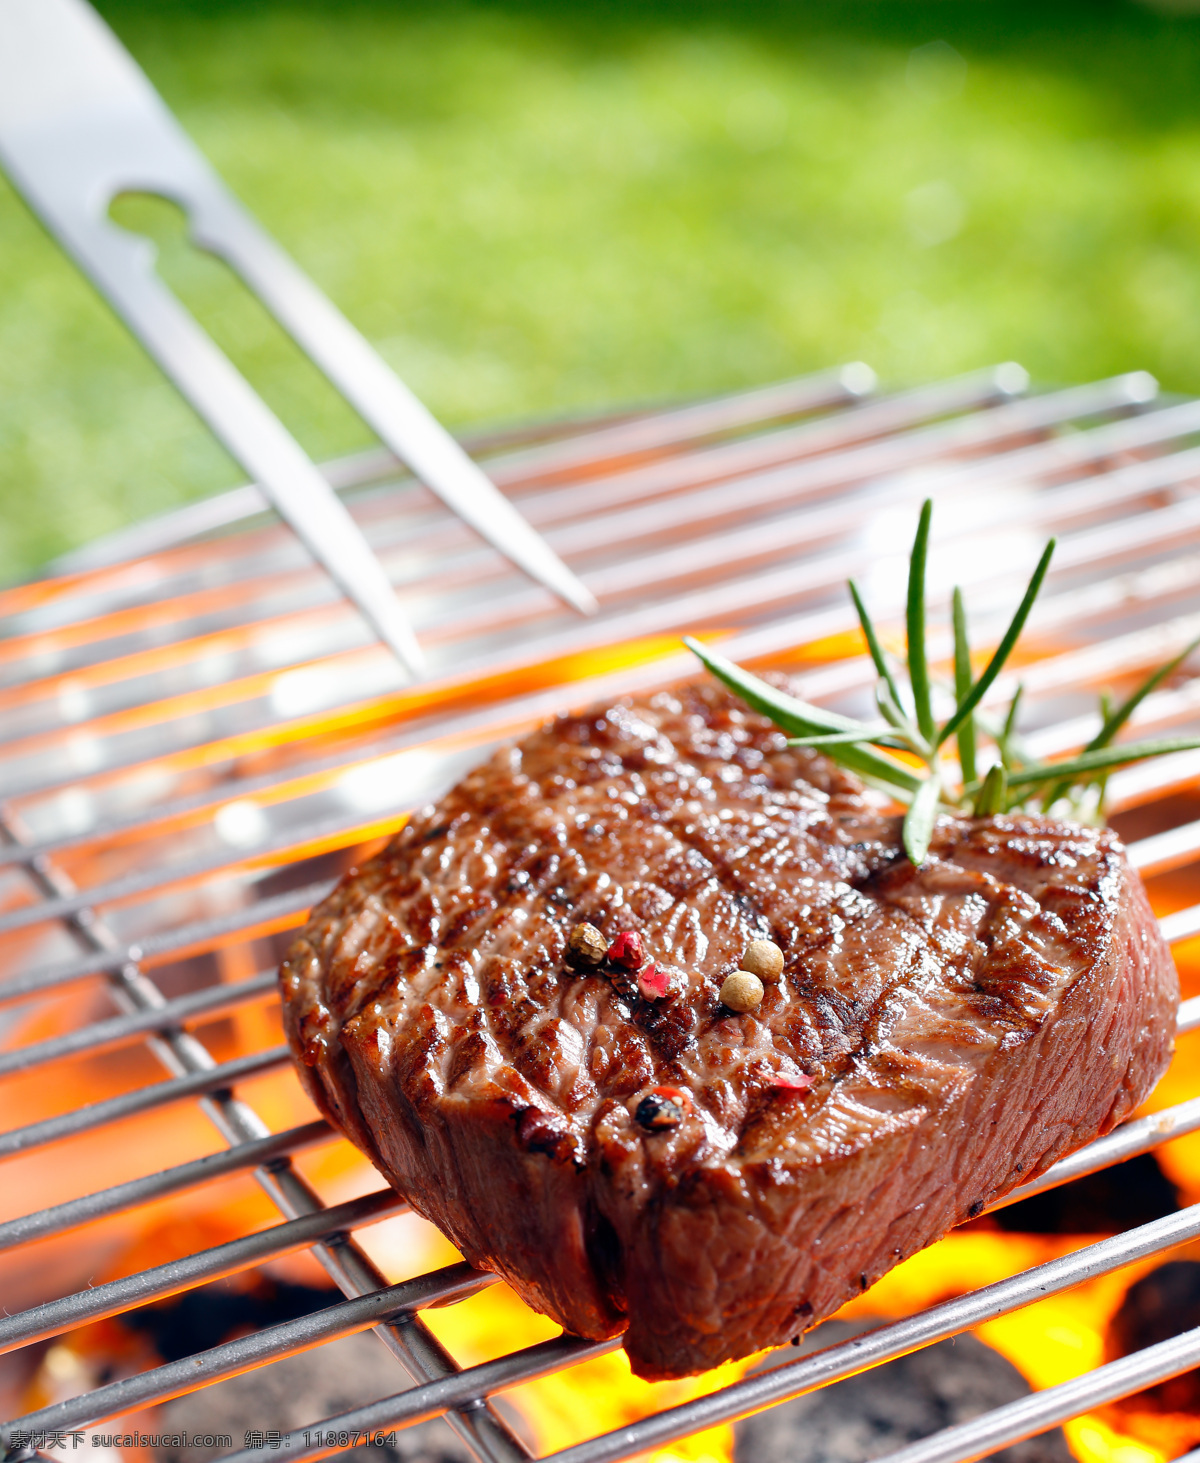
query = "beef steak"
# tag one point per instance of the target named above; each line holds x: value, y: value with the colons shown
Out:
x: 963, y: 1025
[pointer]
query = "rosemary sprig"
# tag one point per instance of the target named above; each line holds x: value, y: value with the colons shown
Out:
x: 1014, y: 780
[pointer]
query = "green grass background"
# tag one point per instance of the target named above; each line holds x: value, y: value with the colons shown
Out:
x: 531, y: 207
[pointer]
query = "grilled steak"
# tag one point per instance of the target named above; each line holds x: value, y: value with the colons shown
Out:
x: 938, y: 1035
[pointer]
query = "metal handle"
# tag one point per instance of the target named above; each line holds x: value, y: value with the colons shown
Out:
x: 79, y: 124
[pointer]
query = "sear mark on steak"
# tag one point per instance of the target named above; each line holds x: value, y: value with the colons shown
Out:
x: 963, y: 1025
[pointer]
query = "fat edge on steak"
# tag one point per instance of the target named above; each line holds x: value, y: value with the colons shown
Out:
x: 964, y: 1024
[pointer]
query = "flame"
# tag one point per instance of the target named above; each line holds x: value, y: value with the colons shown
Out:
x: 569, y: 1406
x: 1051, y: 1341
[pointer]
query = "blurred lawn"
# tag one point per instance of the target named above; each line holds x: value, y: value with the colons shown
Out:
x: 533, y: 206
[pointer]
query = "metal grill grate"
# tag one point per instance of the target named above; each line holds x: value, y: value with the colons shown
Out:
x: 196, y: 741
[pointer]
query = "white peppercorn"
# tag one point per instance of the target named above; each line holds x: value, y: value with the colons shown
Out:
x: 741, y: 991
x: 763, y: 958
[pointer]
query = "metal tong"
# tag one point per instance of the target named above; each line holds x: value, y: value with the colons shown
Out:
x: 81, y: 123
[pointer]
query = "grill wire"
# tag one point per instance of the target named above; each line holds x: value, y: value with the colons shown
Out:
x: 195, y: 741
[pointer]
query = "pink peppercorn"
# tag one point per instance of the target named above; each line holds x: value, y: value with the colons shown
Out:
x: 628, y: 950
x: 654, y: 981
x: 675, y: 1094
x: 780, y: 1083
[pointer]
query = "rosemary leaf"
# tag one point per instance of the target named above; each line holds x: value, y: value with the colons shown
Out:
x: 878, y: 655
x: 994, y: 666
x: 918, y: 667
x: 1018, y: 755
x: 815, y: 719
x: 993, y: 795
x: 881, y: 736
x: 962, y: 684
x: 1100, y: 758
x: 801, y: 719
x: 1008, y: 732
x: 1114, y: 720
x: 1101, y: 795
x: 1101, y: 782
x: 887, y: 707
x: 920, y: 818
x: 909, y: 736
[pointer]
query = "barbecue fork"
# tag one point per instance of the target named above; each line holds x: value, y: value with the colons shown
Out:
x: 80, y: 123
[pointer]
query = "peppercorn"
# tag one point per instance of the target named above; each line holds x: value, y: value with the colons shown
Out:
x: 663, y: 1107
x: 763, y: 958
x: 654, y: 981
x: 629, y: 950
x: 587, y: 946
x: 780, y: 1082
x: 741, y: 991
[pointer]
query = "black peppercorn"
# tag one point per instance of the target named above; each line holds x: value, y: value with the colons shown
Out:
x: 655, y: 1113
x: 586, y: 946
x: 663, y: 1107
